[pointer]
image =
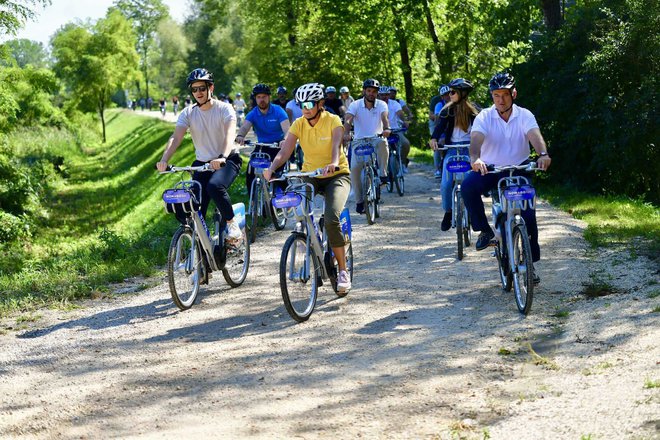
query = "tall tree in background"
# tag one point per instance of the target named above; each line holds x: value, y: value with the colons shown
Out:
x: 96, y: 62
x: 13, y: 14
x: 27, y: 52
x: 172, y: 47
x: 146, y: 16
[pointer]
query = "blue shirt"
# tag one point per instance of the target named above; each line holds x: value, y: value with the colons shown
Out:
x: 267, y: 126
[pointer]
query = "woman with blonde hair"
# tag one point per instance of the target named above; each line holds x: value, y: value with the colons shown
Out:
x: 454, y: 127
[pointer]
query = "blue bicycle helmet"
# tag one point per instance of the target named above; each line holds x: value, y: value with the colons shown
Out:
x: 461, y: 84
x: 443, y: 89
x: 330, y: 89
x: 199, y: 74
x: 281, y: 89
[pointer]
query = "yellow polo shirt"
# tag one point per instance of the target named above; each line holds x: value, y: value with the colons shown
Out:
x: 316, y: 142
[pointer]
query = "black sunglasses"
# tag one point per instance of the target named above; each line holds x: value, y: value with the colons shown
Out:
x: 199, y: 89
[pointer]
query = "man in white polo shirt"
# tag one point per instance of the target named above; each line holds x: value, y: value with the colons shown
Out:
x: 368, y: 116
x: 500, y: 136
x: 397, y: 119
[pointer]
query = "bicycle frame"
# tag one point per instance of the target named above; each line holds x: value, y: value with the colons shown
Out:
x: 457, y: 165
x: 259, y: 185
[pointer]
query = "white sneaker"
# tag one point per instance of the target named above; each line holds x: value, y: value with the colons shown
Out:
x: 343, y: 282
x: 405, y: 169
x: 234, y: 232
x: 438, y: 174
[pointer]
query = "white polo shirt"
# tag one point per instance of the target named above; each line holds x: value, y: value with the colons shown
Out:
x: 367, y: 122
x: 506, y: 142
x: 207, y: 128
x: 392, y: 108
x: 295, y: 109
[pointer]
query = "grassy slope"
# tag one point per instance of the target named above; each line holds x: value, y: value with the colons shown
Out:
x: 107, y: 220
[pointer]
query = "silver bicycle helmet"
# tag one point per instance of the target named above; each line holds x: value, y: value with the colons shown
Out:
x: 330, y: 89
x: 344, y: 89
x: 310, y: 92
x: 383, y: 90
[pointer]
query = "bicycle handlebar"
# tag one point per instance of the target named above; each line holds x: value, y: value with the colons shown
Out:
x: 262, y: 144
x: 525, y: 167
x: 315, y: 173
x: 173, y: 169
x: 456, y: 146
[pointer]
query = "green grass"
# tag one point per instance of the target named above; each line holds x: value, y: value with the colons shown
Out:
x: 106, y: 220
x: 610, y: 219
x: 649, y: 384
x: 422, y: 155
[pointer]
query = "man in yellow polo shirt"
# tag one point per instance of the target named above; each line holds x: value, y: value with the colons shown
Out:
x: 320, y: 135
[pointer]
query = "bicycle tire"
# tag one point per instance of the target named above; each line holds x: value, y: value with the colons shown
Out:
x: 459, y: 225
x: 368, y: 196
x: 390, y: 174
x: 299, y: 305
x: 183, y: 274
x: 523, y: 278
x: 237, y: 262
x: 398, y: 176
x: 253, y: 217
x: 278, y: 216
x: 377, y: 200
x: 467, y: 234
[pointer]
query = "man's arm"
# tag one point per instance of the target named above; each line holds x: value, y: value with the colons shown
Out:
x: 285, y: 124
x: 282, y: 156
x: 406, y: 108
x: 386, y: 123
x: 402, y: 116
x: 245, y: 128
x: 476, y: 141
x: 536, y: 139
x: 172, y: 144
x: 348, y: 124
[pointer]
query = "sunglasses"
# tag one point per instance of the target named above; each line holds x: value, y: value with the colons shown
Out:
x: 453, y: 92
x: 307, y: 105
x: 199, y: 89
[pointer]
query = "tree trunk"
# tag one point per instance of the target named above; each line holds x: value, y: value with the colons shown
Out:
x: 552, y: 13
x: 405, y: 56
x: 431, y: 27
x: 101, y: 113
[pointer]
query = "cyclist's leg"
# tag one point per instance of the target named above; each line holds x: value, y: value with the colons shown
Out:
x: 437, y: 160
x: 336, y: 191
x: 472, y: 188
x: 447, y: 183
x: 356, y: 181
x: 219, y: 183
x: 383, y: 156
x: 272, y: 152
x: 404, y: 144
x: 203, y: 179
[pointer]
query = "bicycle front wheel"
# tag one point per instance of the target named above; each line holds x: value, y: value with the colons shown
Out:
x: 458, y: 209
x: 391, y: 173
x: 278, y: 216
x: 398, y: 175
x: 238, y: 261
x: 369, y: 195
x: 184, y: 268
x: 253, y: 215
x: 523, y: 273
x: 299, y: 276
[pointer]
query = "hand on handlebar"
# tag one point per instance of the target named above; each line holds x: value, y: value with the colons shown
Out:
x: 433, y: 143
x: 329, y: 169
x: 216, y: 164
x: 161, y: 166
x: 240, y: 140
x: 480, y: 166
x: 268, y: 174
x: 543, y: 162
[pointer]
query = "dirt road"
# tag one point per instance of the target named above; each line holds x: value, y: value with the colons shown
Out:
x: 424, y: 346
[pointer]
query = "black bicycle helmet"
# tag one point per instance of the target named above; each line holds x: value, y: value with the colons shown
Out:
x: 199, y: 74
x: 371, y: 83
x: 260, y: 88
x: 502, y: 80
x: 281, y: 89
x: 461, y: 84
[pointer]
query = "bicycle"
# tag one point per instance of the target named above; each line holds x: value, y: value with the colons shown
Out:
x: 195, y: 251
x: 458, y: 165
x: 365, y: 152
x: 395, y: 163
x: 512, y: 195
x: 298, y: 156
x: 307, y: 258
x: 259, y: 206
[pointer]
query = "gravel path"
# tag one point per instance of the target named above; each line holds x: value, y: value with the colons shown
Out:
x: 424, y: 346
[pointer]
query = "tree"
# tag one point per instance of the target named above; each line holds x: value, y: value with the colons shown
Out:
x: 13, y: 14
x: 27, y: 52
x: 170, y: 65
x: 145, y: 16
x: 96, y: 62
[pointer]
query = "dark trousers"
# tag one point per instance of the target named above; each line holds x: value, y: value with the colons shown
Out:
x: 474, y: 186
x: 215, y: 185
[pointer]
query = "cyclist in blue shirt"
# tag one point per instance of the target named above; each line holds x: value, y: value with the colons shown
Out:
x: 270, y: 122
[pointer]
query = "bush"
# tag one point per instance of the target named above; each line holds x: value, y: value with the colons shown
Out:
x: 12, y: 227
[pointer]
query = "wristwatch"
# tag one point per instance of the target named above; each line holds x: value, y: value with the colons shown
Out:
x: 545, y: 153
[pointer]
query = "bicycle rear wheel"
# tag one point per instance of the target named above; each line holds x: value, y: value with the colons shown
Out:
x: 237, y: 262
x: 391, y: 175
x: 184, y: 268
x: 377, y: 193
x: 299, y: 272
x: 278, y: 216
x: 398, y: 175
x: 458, y: 209
x: 523, y: 282
x: 253, y: 216
x: 369, y: 196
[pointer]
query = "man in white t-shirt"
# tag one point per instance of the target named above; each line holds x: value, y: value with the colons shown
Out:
x: 368, y: 116
x: 239, y: 106
x: 397, y: 120
x: 212, y: 125
x: 500, y: 136
x: 293, y: 110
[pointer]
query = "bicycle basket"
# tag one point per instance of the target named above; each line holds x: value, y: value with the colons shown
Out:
x: 393, y: 138
x: 458, y: 166
x: 287, y: 200
x: 364, y: 150
x: 180, y: 201
x: 519, y: 192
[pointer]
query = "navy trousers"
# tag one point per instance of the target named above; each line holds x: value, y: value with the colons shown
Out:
x: 215, y: 185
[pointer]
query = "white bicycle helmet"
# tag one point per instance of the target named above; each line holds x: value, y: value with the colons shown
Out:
x: 330, y: 89
x: 384, y: 90
x: 310, y: 92
x: 344, y: 90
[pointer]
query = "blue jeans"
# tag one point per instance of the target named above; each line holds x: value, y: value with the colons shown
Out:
x: 474, y: 186
x: 447, y: 182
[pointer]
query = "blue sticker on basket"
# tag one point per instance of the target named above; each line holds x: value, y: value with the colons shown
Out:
x: 522, y: 192
x: 176, y: 196
x: 288, y: 200
x: 364, y: 150
x: 259, y: 162
x: 393, y: 139
x: 458, y: 166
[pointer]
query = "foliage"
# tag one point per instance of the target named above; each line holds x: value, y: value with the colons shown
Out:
x: 593, y: 86
x: 24, y: 52
x: 96, y: 62
x: 13, y: 14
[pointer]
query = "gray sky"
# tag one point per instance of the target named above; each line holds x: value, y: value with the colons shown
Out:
x: 51, y: 18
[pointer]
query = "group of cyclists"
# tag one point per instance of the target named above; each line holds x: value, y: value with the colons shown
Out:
x: 499, y: 135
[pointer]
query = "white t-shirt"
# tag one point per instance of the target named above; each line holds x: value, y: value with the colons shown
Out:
x: 239, y: 104
x: 506, y: 142
x: 295, y: 109
x: 367, y: 122
x: 392, y: 108
x: 207, y: 128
